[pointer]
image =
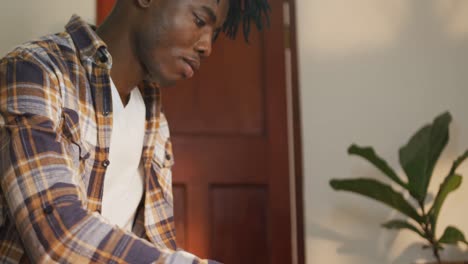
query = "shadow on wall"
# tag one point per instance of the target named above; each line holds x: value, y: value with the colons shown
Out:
x: 374, y: 70
x: 360, y: 248
x: 370, y: 249
x: 379, y: 24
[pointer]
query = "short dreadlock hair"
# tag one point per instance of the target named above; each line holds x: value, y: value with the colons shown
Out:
x: 246, y: 12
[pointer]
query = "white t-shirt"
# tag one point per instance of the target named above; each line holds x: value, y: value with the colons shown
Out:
x: 123, y: 182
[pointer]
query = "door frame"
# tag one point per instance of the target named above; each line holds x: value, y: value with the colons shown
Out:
x: 297, y: 134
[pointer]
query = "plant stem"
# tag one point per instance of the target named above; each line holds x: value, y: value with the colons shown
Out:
x: 429, y: 232
x: 428, y: 228
x: 457, y: 162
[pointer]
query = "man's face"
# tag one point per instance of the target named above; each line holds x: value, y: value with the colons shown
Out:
x: 174, y: 35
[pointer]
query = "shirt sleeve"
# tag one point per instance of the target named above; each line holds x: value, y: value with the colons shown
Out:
x: 43, y: 191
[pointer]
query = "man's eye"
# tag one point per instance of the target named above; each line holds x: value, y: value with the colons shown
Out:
x: 199, y: 22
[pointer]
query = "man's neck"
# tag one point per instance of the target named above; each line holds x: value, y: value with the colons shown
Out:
x: 126, y: 71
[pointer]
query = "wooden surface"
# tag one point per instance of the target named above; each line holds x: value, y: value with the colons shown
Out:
x: 453, y: 262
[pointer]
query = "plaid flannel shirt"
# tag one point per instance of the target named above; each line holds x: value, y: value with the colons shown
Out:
x: 55, y: 127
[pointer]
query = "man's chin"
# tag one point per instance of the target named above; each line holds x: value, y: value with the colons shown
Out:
x: 160, y: 82
x: 166, y: 84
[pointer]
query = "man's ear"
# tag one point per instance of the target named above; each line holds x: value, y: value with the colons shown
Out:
x: 144, y: 3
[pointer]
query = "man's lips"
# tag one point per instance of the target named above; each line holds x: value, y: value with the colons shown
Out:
x: 194, y: 63
x: 192, y: 66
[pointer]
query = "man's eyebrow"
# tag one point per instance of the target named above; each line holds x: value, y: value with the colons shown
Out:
x: 209, y: 11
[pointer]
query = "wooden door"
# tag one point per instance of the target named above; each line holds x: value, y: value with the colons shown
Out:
x: 229, y: 132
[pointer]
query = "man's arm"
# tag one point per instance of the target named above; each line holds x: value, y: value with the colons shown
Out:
x: 41, y: 186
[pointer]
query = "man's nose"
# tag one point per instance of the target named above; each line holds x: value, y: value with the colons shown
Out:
x: 203, y: 46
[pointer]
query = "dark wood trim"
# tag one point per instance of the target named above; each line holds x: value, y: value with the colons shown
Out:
x: 102, y: 9
x: 277, y: 138
x: 297, y: 134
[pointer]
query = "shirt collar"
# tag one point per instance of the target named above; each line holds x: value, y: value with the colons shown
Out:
x: 88, y: 43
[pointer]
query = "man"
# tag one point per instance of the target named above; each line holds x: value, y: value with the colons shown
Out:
x: 86, y: 156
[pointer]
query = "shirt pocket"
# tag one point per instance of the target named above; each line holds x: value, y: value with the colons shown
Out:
x: 83, y: 137
x: 81, y: 151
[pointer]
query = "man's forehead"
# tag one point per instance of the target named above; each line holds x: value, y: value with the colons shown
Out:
x: 219, y: 8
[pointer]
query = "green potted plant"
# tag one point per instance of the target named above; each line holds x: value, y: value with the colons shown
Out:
x: 418, y: 159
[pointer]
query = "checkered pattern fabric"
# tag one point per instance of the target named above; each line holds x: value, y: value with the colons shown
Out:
x: 55, y: 128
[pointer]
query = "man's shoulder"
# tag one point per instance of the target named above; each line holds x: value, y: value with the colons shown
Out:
x: 50, y: 51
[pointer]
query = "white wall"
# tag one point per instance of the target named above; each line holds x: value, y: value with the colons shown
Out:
x: 372, y: 72
x: 23, y: 20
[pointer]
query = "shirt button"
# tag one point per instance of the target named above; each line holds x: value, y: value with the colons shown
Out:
x: 48, y: 209
x: 103, y: 58
x: 105, y: 163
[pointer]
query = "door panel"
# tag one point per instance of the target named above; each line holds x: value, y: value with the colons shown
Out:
x: 240, y: 213
x: 229, y: 133
x: 222, y: 98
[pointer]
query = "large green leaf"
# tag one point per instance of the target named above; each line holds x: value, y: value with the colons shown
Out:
x: 450, y: 184
x: 369, y: 154
x: 378, y: 191
x: 452, y: 236
x: 414, y: 159
x: 401, y: 224
x: 418, y: 158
